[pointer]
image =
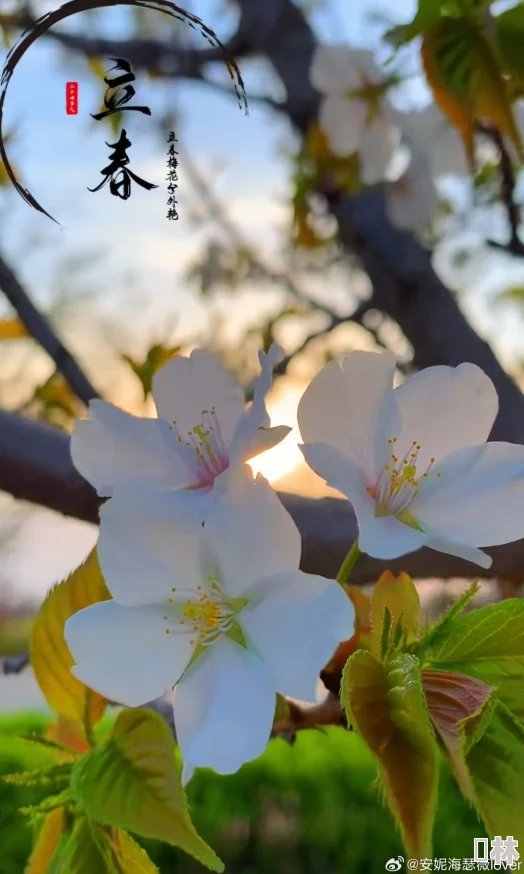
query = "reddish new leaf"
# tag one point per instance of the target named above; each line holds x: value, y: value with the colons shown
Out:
x: 456, y: 704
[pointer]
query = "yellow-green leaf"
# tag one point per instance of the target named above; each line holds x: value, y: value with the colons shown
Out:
x: 396, y: 598
x: 131, y: 857
x: 158, y: 355
x: 487, y: 644
x: 97, y: 67
x: 47, y: 843
x: 386, y: 705
x: 456, y: 108
x: 281, y: 709
x: 12, y: 329
x: 133, y: 782
x: 50, y: 656
x: 87, y: 851
x: 467, y: 79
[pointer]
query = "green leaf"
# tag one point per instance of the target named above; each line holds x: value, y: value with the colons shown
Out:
x: 459, y: 707
x: 52, y: 802
x: 55, y: 779
x: 387, y: 706
x: 133, y: 782
x: 158, y: 355
x: 466, y: 78
x: 496, y: 631
x: 487, y: 644
x: 395, y: 608
x: 427, y: 13
x: 441, y: 630
x: 496, y: 766
x: 509, y: 38
x: 87, y: 851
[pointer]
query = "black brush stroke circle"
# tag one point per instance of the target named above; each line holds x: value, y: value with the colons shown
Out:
x: 42, y: 25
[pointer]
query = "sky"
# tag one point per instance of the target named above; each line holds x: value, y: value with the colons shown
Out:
x: 136, y: 258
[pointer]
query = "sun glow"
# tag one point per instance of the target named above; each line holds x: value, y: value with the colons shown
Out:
x: 275, y: 463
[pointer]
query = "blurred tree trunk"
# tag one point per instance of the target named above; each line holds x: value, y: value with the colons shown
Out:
x: 405, y: 285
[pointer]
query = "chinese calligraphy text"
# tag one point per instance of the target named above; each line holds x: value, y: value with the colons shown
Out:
x: 172, y: 177
x: 120, y: 92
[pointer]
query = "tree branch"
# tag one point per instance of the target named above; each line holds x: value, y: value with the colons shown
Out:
x: 406, y: 288
x: 145, y: 55
x: 218, y: 213
x: 326, y: 712
x: 36, y: 466
x: 40, y: 329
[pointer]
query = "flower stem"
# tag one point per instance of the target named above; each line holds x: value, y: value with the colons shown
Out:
x: 348, y: 564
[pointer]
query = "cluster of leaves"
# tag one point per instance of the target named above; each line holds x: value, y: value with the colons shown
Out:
x: 454, y: 691
x: 155, y: 358
x: 415, y: 696
x: 315, y: 167
x: 473, y: 63
x: 99, y: 789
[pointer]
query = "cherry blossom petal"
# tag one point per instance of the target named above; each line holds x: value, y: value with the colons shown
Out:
x: 376, y: 149
x: 385, y: 536
x: 380, y: 537
x: 337, y: 469
x: 364, y: 61
x: 185, y: 387
x: 332, y: 70
x: 479, y: 498
x: 468, y: 553
x: 224, y: 707
x: 147, y: 545
x: 253, y: 433
x: 430, y: 132
x: 124, y: 653
x: 351, y: 406
x: 343, y: 120
x: 251, y: 535
x: 445, y: 409
x: 412, y: 200
x: 266, y: 438
x: 113, y: 449
x: 296, y: 622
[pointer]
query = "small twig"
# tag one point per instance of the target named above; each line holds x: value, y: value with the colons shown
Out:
x: 334, y: 322
x: 218, y: 213
x: 327, y: 712
x: 40, y: 329
x: 515, y: 246
x: 261, y: 99
x: 16, y: 664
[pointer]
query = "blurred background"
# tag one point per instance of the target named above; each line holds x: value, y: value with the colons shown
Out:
x: 254, y: 257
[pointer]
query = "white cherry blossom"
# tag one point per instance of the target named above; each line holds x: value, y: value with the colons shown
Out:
x: 412, y: 200
x: 203, y: 429
x: 429, y: 132
x: 221, y: 610
x: 354, y: 113
x: 414, y: 460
